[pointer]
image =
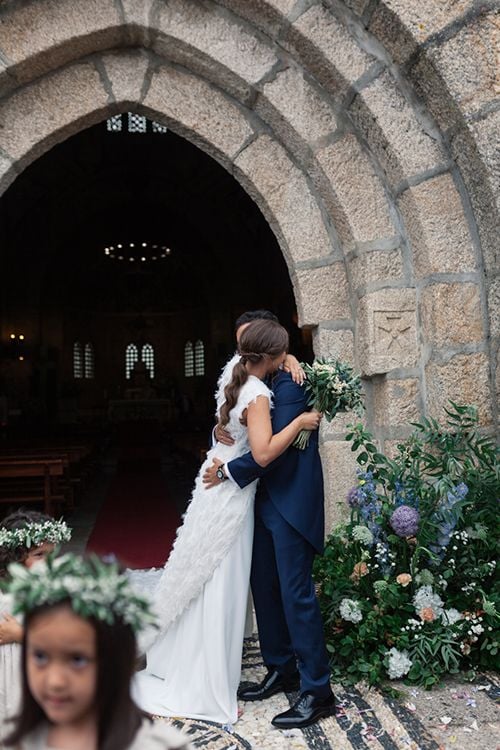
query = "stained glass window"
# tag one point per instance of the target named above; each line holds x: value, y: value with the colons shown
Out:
x: 199, y: 358
x: 136, y: 123
x: 133, y: 123
x: 148, y: 357
x: 114, y: 124
x: 157, y: 127
x: 88, y: 361
x: 77, y: 360
x: 131, y: 357
x: 188, y: 360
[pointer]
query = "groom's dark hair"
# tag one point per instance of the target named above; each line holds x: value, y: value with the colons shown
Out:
x: 250, y: 315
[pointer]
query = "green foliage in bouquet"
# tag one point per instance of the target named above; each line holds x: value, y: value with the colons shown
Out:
x: 409, y: 586
x: 333, y: 386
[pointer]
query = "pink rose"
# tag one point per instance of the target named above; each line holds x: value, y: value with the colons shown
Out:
x: 427, y: 614
x: 359, y: 570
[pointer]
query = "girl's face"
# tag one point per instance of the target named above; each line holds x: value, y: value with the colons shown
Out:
x: 61, y: 666
x: 37, y: 554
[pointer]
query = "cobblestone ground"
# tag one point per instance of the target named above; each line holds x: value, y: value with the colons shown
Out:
x: 455, y: 716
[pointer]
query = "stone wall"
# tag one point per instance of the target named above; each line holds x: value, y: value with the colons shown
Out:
x: 367, y: 133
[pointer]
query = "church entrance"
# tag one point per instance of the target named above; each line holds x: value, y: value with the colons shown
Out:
x: 127, y: 254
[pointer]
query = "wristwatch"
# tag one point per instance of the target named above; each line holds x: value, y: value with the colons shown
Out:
x: 220, y: 473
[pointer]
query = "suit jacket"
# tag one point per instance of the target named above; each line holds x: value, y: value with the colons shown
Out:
x: 294, y: 481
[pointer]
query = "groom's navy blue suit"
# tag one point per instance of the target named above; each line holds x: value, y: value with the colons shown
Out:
x: 289, y: 531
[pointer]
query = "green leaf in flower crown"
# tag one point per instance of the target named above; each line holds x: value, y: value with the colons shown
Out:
x: 101, y: 591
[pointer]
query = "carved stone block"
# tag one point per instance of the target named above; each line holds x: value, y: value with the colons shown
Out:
x: 386, y: 331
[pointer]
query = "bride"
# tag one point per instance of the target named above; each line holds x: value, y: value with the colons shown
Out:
x: 194, y: 662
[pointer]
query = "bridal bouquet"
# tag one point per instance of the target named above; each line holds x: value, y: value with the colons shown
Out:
x: 333, y: 387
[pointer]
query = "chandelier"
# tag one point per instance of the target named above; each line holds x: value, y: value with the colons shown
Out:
x: 137, y: 252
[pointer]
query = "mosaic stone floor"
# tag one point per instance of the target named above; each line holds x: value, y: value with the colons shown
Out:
x: 364, y: 719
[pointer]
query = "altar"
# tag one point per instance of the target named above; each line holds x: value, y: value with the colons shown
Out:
x: 124, y: 410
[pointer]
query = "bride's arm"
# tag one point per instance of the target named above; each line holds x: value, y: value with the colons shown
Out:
x: 264, y: 445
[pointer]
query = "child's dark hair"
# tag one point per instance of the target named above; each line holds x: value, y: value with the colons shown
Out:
x: 18, y: 520
x: 262, y: 339
x: 118, y: 717
x: 250, y: 315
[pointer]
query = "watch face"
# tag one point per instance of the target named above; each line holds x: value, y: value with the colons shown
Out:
x: 220, y: 473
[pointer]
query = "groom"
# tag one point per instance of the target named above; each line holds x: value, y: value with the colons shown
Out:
x: 289, y: 532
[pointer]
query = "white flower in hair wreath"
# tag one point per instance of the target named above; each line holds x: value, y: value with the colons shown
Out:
x: 93, y: 587
x: 34, y: 534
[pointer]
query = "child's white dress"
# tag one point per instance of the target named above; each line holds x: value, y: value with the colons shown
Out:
x: 150, y: 736
x: 10, y: 673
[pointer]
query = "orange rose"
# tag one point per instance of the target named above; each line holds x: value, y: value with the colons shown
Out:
x: 359, y: 570
x: 427, y: 614
x: 403, y: 579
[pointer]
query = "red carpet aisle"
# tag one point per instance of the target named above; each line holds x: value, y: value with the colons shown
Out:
x: 137, y: 521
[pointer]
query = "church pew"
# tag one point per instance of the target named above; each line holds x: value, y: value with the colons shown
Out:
x: 32, y: 481
x: 66, y: 484
x: 76, y: 459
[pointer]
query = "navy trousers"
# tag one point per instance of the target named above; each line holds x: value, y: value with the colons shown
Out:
x: 288, y: 615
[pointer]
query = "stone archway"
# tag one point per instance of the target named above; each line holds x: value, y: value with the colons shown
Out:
x: 353, y: 127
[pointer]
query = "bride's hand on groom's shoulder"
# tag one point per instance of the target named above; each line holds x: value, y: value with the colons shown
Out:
x: 210, y: 478
x: 293, y: 366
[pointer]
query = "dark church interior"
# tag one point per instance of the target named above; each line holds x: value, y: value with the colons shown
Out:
x: 126, y: 255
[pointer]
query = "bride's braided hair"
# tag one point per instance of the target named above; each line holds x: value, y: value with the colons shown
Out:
x: 262, y: 339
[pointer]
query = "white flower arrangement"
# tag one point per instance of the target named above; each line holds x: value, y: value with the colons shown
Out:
x: 399, y: 664
x: 350, y: 610
x: 35, y: 534
x: 363, y: 535
x: 451, y: 616
x: 426, y: 598
x: 93, y: 588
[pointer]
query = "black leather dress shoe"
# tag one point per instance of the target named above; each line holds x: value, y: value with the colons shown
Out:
x: 308, y: 709
x: 274, y: 682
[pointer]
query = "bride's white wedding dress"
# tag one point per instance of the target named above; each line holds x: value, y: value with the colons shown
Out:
x: 194, y: 664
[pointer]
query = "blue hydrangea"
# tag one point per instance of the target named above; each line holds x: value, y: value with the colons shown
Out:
x: 404, y: 495
x: 445, y: 519
x: 364, y: 496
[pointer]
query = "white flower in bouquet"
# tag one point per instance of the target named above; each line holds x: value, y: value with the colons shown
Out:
x: 451, y: 616
x: 333, y: 386
x: 350, y: 610
x: 399, y: 664
x: 425, y: 598
x: 362, y: 534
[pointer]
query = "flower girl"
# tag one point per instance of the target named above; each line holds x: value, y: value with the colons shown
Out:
x: 26, y: 537
x: 78, y: 659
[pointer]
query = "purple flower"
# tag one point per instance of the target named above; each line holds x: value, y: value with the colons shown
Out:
x: 352, y: 497
x: 405, y: 520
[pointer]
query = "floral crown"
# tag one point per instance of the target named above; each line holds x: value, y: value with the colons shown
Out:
x: 94, y: 588
x: 35, y: 533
